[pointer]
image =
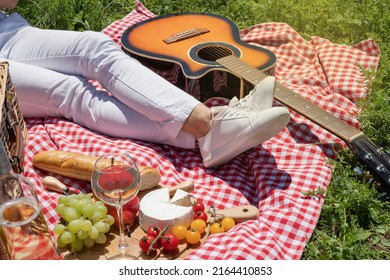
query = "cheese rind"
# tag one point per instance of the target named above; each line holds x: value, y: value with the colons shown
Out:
x: 157, y: 209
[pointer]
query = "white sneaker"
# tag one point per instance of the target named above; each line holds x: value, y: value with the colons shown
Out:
x: 260, y: 98
x: 234, y: 131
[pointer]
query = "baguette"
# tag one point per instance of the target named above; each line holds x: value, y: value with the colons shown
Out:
x: 80, y: 166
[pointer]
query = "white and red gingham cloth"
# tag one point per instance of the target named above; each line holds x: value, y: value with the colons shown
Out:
x: 23, y: 244
x: 272, y: 176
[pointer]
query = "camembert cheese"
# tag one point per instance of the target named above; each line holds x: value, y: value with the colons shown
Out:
x: 158, y: 209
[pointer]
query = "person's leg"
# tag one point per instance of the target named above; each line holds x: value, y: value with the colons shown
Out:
x: 95, y: 56
x: 44, y: 93
x: 226, y: 133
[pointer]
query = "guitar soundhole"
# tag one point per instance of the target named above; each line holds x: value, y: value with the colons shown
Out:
x: 214, y: 53
x: 208, y: 53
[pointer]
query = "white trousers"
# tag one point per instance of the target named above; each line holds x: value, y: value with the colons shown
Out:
x: 51, y: 70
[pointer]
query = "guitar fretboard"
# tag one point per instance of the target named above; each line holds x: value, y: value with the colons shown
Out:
x: 293, y: 100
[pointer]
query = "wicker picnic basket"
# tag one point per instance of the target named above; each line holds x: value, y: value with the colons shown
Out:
x: 13, y: 126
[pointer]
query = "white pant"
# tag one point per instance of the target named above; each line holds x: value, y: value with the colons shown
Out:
x: 51, y: 69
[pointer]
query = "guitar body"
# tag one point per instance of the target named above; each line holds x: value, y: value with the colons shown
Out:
x: 196, y: 52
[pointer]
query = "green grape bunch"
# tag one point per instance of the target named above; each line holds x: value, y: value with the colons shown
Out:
x: 83, y: 222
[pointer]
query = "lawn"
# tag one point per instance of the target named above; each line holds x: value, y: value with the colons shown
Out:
x: 355, y: 219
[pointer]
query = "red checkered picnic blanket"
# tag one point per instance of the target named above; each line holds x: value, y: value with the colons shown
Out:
x: 272, y: 176
x: 25, y: 244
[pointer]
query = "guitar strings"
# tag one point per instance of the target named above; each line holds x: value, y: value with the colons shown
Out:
x: 212, y: 48
x: 216, y: 50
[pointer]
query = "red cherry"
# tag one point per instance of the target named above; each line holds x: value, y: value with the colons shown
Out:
x: 132, y: 206
x: 128, y: 217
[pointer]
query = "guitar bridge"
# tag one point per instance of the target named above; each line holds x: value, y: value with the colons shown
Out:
x: 185, y: 35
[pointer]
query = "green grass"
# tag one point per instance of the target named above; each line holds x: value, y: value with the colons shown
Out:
x: 355, y: 220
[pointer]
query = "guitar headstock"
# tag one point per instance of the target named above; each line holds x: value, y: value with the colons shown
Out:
x: 375, y: 158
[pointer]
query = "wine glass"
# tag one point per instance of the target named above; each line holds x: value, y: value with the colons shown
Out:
x: 115, y: 181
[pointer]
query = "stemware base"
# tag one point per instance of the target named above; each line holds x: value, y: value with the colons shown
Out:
x: 131, y: 252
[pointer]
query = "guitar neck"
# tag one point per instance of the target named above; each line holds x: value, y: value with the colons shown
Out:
x: 293, y: 100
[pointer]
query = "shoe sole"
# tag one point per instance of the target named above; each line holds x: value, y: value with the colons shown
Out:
x: 242, y: 144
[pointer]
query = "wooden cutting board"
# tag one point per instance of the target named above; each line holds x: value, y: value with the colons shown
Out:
x: 104, y: 251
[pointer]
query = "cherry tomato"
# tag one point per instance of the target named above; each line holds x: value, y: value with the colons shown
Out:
x: 146, y: 242
x: 228, y: 223
x: 192, y: 236
x: 198, y: 206
x: 179, y: 231
x: 216, y: 228
x: 198, y: 225
x: 201, y: 215
x: 153, y: 231
x: 169, y: 242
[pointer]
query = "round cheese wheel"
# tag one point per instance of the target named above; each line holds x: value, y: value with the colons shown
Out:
x: 158, y: 209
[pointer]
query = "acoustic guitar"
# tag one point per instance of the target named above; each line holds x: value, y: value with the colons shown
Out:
x: 201, y: 43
